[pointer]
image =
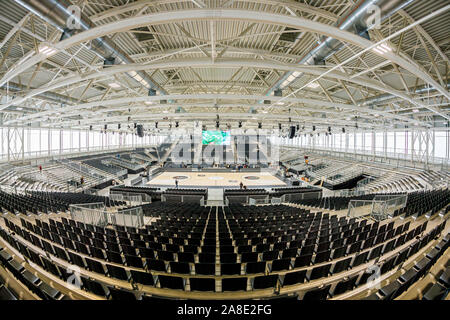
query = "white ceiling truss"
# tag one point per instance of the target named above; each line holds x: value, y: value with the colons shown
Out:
x: 216, y: 57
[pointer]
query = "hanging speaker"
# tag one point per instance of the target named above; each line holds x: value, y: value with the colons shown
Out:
x: 292, y: 132
x: 140, y: 130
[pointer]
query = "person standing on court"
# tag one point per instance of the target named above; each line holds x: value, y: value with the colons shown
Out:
x: 176, y: 183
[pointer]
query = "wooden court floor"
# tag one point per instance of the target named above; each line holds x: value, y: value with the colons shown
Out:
x: 213, y: 179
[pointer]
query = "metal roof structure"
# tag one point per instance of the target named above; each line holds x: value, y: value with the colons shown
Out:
x: 226, y: 58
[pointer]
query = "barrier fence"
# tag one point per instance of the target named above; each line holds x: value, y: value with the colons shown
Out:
x: 96, y: 214
x: 380, y: 208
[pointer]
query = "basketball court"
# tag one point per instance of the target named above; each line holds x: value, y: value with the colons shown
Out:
x: 214, y: 179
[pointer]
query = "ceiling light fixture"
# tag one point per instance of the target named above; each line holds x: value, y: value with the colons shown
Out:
x: 114, y: 85
x: 46, y: 50
x: 313, y: 85
x: 382, y: 49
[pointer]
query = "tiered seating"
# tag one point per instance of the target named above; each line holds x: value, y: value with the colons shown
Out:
x: 167, y: 210
x: 154, y: 193
x: 33, y: 283
x: 109, y: 168
x: 243, y: 195
x: 37, y: 202
x: 333, y: 203
x: 419, y: 203
x: 393, y: 182
x: 258, y: 249
x: 185, y: 195
x: 29, y: 178
x: 230, y: 192
x: 435, y: 178
x: 278, y: 192
x: 437, y: 291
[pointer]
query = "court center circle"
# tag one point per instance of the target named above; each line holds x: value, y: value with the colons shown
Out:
x: 180, y: 177
x: 252, y: 178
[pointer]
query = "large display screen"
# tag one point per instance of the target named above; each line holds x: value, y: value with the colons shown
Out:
x: 218, y: 138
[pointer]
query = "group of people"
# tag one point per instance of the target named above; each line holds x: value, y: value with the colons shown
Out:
x: 242, y: 186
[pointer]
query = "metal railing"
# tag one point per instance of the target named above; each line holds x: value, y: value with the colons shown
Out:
x: 380, y: 208
x: 96, y: 214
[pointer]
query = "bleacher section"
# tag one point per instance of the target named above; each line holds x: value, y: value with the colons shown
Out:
x: 37, y: 202
x: 418, y: 203
x: 185, y: 195
x: 198, y: 252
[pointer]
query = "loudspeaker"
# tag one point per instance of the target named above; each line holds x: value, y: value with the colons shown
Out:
x: 140, y: 130
x: 109, y: 62
x: 292, y: 132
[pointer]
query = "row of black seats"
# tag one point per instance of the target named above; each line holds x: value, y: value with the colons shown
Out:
x: 421, y: 202
x: 32, y: 282
x: 238, y: 284
x: 228, y: 261
x: 420, y: 268
x: 68, y: 198
x: 25, y: 204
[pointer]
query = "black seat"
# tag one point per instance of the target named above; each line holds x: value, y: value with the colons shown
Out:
x: 317, y: 294
x: 281, y: 264
x: 118, y: 294
x: 228, y: 258
x: 206, y: 258
x: 389, y: 291
x: 345, y: 285
x: 292, y: 278
x: 319, y: 272
x: 185, y: 257
x: 234, y: 284
x: 93, y: 286
x: 265, y: 282
x: 303, y: 261
x: 436, y: 292
x: 171, y: 282
x: 270, y: 255
x: 156, y: 265
x: 249, y: 257
x: 230, y: 269
x: 144, y: 278
x: 208, y: 269
x: 180, y: 267
x: 114, y: 257
x: 341, y: 265
x: 48, y: 292
x: 322, y: 256
x: 95, y: 266
x: 255, y: 267
x: 444, y: 279
x: 6, y: 294
x: 134, y: 261
x: 166, y: 255
x: 146, y: 253
x: 117, y: 272
x: 202, y: 284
